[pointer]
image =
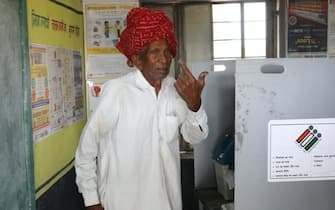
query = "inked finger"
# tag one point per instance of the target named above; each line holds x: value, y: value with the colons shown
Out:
x: 185, y: 69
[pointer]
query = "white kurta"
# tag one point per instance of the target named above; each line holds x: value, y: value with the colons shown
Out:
x: 128, y: 155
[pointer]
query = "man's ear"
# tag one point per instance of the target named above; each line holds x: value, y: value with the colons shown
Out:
x: 130, y: 63
x: 137, y: 61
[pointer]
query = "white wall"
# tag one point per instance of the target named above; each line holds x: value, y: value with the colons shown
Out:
x: 197, y: 33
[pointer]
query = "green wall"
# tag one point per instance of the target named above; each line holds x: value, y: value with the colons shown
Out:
x: 15, y: 113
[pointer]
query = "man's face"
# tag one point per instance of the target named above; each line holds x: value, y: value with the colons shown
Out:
x: 155, y: 61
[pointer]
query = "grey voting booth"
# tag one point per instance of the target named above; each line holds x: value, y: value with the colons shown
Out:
x: 260, y: 91
x: 277, y: 89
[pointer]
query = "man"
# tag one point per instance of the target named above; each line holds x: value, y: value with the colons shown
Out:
x: 106, y: 28
x: 128, y: 156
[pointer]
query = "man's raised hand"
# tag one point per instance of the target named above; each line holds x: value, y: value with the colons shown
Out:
x: 189, y: 88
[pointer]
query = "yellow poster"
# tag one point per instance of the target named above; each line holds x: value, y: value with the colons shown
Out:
x: 104, y: 24
x: 62, y: 26
x: 56, y: 37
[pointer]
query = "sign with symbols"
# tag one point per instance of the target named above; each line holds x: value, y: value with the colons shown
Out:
x: 301, y: 150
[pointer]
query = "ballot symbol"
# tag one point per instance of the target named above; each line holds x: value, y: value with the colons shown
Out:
x: 309, y: 138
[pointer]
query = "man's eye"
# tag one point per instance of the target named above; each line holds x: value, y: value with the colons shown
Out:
x: 154, y: 52
x: 167, y: 53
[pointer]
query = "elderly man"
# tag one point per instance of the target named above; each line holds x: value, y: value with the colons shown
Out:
x: 128, y: 155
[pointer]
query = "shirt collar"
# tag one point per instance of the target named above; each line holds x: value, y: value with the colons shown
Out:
x: 140, y: 81
x: 143, y: 84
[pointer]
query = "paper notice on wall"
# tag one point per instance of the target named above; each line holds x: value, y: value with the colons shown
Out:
x: 55, y: 80
x: 301, y: 150
x: 104, y: 23
x: 102, y: 66
x: 39, y: 92
x: 307, y: 28
x: 56, y: 89
x: 93, y: 89
x: 331, y: 29
x: 66, y: 91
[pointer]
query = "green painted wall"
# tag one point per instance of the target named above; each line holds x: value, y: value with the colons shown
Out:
x: 16, y: 182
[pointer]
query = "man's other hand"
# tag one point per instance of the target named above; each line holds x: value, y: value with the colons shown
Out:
x: 95, y: 207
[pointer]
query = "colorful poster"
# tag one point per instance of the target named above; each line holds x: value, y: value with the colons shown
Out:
x: 66, y: 91
x: 331, y: 29
x: 39, y: 92
x: 103, y: 26
x: 301, y: 150
x: 56, y: 86
x: 307, y: 28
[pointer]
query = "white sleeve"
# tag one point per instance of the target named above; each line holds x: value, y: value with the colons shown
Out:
x: 88, y: 147
x: 85, y: 162
x: 194, y: 128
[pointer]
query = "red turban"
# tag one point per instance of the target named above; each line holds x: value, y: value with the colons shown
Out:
x: 143, y: 27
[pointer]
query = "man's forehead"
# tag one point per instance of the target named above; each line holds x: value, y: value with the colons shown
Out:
x: 162, y: 43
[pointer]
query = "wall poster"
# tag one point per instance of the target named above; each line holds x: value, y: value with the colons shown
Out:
x: 56, y: 72
x: 103, y: 26
x: 331, y: 29
x: 307, y: 28
x: 40, y: 100
x: 57, y: 92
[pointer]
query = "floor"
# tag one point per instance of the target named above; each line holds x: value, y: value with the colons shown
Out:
x: 64, y: 193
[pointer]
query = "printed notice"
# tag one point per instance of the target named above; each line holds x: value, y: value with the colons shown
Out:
x: 40, y: 100
x: 104, y: 25
x: 301, y: 150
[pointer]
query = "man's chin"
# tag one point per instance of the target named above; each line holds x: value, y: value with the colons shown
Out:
x: 161, y: 77
x: 162, y: 73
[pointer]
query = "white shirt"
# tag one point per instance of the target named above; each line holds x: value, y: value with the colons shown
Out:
x: 128, y: 155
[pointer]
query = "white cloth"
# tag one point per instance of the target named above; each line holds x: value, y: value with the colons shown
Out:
x: 128, y: 155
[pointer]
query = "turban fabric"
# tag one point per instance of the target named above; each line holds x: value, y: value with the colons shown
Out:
x: 144, y: 27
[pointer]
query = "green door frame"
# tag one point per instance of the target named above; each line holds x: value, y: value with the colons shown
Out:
x: 27, y: 124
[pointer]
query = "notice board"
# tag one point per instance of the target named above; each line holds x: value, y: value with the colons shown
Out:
x: 57, y: 91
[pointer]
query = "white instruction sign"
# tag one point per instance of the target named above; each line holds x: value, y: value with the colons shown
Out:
x: 301, y: 150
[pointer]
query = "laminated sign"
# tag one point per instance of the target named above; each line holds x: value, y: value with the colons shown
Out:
x: 301, y: 150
